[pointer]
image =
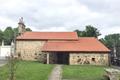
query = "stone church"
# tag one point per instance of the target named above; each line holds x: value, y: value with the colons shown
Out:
x: 60, y: 48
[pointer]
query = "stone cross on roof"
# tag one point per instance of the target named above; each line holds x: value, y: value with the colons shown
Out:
x: 21, y: 20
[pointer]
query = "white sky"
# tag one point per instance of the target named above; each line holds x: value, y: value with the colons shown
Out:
x: 62, y: 15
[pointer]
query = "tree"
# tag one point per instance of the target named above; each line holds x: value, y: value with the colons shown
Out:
x: 28, y: 29
x: 8, y: 35
x: 1, y: 36
x: 12, y: 64
x: 79, y: 33
x: 112, y: 41
x: 90, y: 31
x: 15, y: 31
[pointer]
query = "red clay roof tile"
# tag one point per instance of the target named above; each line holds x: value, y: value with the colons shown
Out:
x: 48, y: 36
x: 84, y: 44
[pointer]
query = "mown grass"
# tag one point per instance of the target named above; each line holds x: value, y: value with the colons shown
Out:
x: 83, y: 72
x: 27, y: 70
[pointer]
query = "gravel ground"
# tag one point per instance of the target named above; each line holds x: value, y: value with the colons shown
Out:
x: 56, y: 73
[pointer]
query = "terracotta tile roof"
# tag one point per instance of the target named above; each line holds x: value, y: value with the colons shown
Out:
x: 48, y: 36
x: 84, y: 44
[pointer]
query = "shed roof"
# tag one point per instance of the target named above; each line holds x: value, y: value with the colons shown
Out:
x: 48, y: 36
x: 84, y: 44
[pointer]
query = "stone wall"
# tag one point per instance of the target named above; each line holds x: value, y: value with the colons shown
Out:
x: 30, y: 50
x: 89, y: 58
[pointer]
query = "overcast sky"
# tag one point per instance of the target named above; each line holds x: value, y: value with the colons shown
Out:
x: 62, y: 15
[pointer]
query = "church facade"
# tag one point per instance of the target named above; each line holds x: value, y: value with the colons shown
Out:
x: 60, y: 48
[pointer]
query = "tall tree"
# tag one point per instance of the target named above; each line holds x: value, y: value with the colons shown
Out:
x: 112, y: 41
x: 90, y: 31
x: 15, y: 31
x: 1, y: 36
x: 8, y: 35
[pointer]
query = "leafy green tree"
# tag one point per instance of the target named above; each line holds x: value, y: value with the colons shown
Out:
x: 111, y: 40
x: 79, y: 33
x: 28, y: 29
x: 8, y: 35
x: 15, y: 30
x: 1, y: 36
x: 90, y: 31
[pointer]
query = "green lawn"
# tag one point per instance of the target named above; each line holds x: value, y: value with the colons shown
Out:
x: 28, y: 71
x: 83, y: 72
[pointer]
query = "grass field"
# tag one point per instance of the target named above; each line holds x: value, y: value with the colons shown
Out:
x: 85, y: 72
x: 28, y: 71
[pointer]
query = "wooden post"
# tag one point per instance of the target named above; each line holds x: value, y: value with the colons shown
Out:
x: 47, y: 58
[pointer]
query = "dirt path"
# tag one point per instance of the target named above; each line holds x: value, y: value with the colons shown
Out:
x: 56, y: 73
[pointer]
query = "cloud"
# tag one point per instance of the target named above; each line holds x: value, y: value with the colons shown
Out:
x: 104, y: 6
x: 61, y: 15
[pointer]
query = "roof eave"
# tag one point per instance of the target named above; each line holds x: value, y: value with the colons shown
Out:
x: 78, y: 51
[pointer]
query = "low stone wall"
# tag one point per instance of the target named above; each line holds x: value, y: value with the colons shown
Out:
x: 88, y: 58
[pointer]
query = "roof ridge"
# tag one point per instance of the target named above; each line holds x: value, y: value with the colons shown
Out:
x: 87, y: 37
x: 50, y: 32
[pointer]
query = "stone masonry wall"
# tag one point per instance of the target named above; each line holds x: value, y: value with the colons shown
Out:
x: 89, y: 58
x: 30, y: 50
